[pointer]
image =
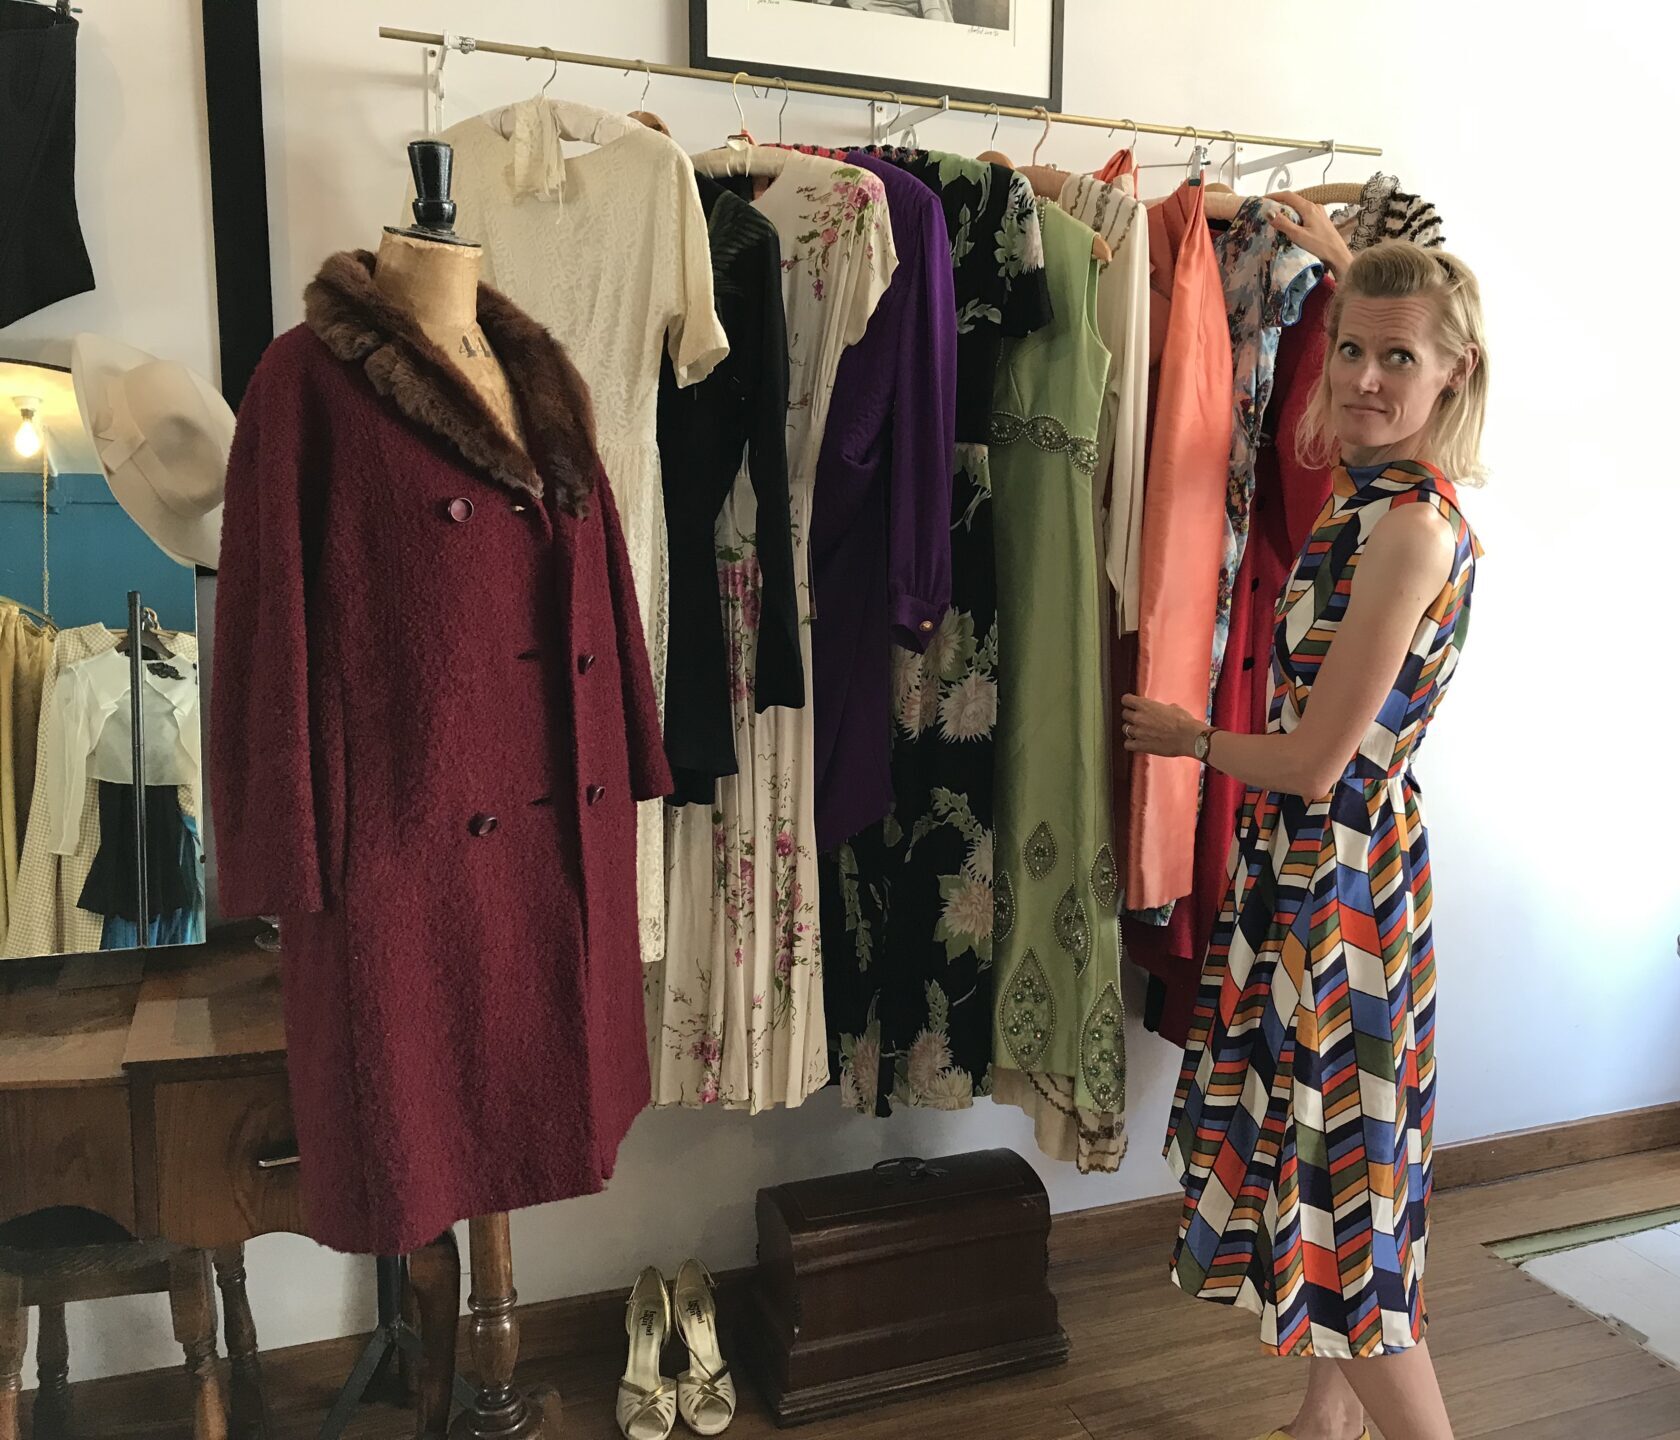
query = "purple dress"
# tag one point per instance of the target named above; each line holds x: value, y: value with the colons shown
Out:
x: 881, y: 511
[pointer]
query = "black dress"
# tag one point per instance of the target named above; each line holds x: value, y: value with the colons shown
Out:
x: 907, y: 904
x: 704, y: 430
x: 42, y: 256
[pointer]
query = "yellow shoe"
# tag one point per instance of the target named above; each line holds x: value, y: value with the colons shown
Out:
x: 1279, y: 1435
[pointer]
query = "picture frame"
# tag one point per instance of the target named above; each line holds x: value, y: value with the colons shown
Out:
x: 1007, y: 51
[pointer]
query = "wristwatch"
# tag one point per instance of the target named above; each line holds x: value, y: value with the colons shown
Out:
x: 1203, y: 740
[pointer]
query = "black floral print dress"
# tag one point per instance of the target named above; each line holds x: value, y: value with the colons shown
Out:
x: 907, y: 905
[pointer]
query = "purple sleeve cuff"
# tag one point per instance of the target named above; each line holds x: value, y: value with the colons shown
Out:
x: 914, y: 620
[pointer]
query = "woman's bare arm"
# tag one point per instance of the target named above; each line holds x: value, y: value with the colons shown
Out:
x: 1404, y: 568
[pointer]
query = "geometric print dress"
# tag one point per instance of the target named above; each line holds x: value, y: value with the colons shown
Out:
x: 1303, y: 1123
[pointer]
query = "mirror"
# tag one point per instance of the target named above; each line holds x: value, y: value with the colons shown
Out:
x: 96, y: 852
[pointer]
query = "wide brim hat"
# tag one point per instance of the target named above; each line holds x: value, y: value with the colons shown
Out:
x: 162, y: 433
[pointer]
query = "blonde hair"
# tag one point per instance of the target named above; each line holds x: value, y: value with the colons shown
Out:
x: 1395, y: 270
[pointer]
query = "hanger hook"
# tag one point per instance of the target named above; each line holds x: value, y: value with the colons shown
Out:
x: 1328, y: 163
x: 1231, y: 136
x: 545, y: 55
x: 787, y: 94
x: 735, y: 92
x: 1133, y: 143
x: 997, y: 119
x: 1045, y: 114
x: 647, y: 84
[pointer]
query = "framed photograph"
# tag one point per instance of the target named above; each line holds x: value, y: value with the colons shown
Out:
x: 1009, y: 51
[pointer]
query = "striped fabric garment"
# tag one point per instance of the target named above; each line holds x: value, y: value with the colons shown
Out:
x: 1302, y: 1127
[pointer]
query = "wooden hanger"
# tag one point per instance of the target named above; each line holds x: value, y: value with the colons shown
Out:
x: 1339, y: 193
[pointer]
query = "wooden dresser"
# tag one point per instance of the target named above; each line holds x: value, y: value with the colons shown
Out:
x: 150, y: 1088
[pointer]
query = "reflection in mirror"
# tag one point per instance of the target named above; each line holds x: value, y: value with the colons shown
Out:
x: 76, y: 811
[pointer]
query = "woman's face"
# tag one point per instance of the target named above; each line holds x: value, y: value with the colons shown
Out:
x: 1387, y: 372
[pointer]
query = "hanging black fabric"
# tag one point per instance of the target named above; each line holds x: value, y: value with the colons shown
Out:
x: 172, y: 880
x: 42, y: 256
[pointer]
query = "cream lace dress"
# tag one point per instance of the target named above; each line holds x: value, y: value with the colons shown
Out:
x: 608, y: 249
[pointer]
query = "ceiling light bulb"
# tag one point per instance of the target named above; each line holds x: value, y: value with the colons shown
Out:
x: 27, y: 441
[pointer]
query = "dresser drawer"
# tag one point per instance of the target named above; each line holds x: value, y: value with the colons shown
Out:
x: 222, y: 1166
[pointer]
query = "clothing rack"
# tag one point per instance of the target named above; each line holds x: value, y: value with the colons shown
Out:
x: 467, y: 45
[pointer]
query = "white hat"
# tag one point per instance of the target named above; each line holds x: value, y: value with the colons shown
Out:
x: 163, y: 434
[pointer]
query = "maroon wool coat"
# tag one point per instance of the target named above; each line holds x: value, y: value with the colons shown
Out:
x: 432, y: 714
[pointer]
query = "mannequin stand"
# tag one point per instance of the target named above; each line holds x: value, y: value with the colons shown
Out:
x: 432, y: 1276
x: 500, y: 1411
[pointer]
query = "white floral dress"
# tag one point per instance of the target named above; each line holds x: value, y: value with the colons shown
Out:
x: 608, y: 249
x: 736, y: 1011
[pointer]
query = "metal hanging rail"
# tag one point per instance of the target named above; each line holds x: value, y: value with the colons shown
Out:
x: 467, y: 45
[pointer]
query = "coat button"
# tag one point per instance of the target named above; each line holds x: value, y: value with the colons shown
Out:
x: 460, y: 508
x: 585, y: 661
x: 481, y: 825
x: 594, y: 793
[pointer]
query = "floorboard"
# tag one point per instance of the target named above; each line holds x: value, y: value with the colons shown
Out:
x: 1515, y: 1358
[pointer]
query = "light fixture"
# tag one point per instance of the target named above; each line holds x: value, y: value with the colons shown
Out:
x: 27, y: 441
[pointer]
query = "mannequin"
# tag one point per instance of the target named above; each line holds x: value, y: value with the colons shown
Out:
x: 433, y: 274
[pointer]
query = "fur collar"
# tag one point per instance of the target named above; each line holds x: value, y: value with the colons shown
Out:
x: 359, y: 324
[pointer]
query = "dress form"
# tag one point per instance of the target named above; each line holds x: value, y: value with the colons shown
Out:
x: 433, y: 274
x: 437, y: 283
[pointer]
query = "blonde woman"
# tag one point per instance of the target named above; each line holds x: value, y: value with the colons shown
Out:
x: 1302, y: 1126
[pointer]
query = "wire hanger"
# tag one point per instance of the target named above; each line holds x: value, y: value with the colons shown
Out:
x: 741, y: 142
x: 787, y: 94
x: 6, y: 601
x: 641, y: 112
x: 1041, y: 111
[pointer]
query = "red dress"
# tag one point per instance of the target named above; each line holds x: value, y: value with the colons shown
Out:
x: 431, y: 717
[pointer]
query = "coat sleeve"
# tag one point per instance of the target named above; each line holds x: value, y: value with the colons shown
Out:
x: 923, y: 437
x: 780, y: 665
x: 650, y: 774
x: 262, y: 775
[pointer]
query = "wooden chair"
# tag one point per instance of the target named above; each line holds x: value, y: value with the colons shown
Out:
x: 48, y: 1277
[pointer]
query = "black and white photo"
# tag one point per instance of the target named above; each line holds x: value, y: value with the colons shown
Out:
x: 1009, y: 51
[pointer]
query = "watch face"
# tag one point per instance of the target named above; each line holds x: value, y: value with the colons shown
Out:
x: 1202, y: 741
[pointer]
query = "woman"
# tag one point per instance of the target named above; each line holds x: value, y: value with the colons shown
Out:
x: 1302, y: 1126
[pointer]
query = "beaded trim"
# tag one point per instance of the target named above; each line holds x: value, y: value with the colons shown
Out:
x: 1105, y: 881
x: 1028, y: 1013
x: 1039, y: 853
x: 1073, y: 929
x: 1102, y: 1050
x: 1003, y: 907
x: 1046, y: 432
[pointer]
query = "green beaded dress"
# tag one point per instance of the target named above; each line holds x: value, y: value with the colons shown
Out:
x: 1059, y: 1022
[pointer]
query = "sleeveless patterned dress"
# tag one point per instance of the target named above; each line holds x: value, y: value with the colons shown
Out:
x: 1302, y: 1127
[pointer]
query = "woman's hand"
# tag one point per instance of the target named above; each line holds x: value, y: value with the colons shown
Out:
x: 1315, y: 234
x: 1150, y: 728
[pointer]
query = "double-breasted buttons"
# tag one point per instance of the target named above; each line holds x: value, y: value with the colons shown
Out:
x: 459, y: 509
x: 585, y: 662
x: 481, y: 825
x: 594, y: 793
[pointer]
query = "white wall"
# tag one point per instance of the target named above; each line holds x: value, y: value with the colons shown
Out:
x: 1549, y: 782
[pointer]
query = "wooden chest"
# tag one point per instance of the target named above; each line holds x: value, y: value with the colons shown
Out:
x: 908, y: 1277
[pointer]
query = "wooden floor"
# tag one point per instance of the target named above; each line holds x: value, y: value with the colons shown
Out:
x: 1515, y: 1359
